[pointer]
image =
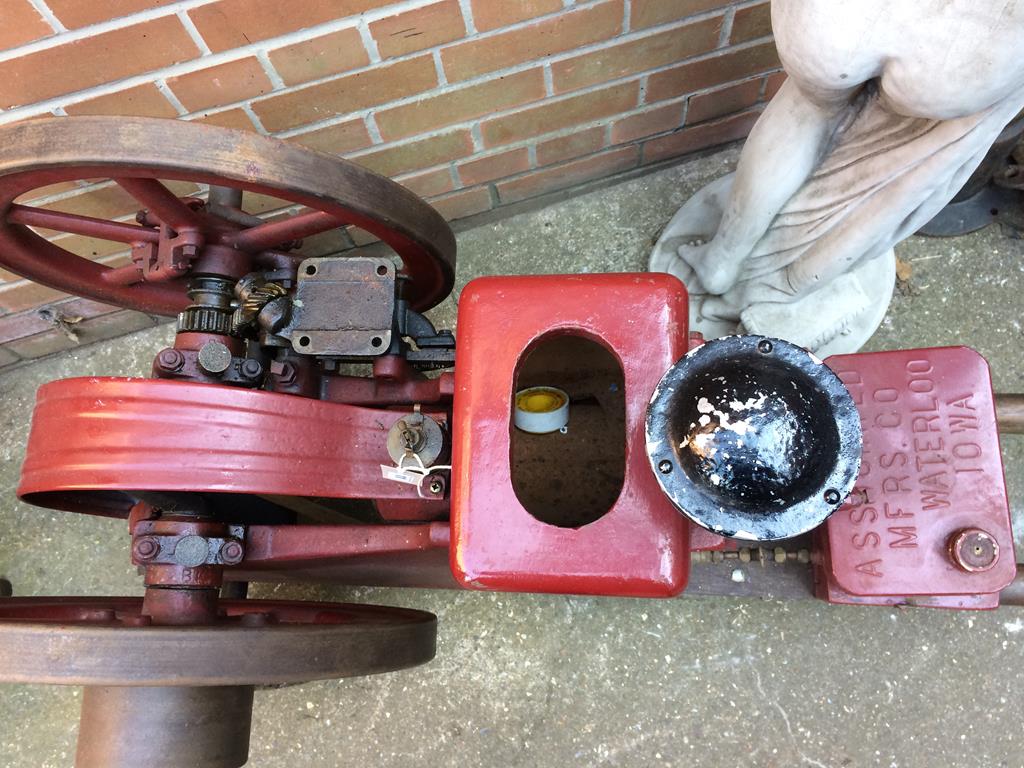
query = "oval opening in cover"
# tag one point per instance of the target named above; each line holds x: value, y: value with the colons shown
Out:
x: 572, y: 477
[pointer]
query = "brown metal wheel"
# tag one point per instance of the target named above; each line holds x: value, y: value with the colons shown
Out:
x: 193, y: 236
x: 108, y: 641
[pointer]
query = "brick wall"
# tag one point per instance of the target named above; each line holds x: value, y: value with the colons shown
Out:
x: 473, y: 104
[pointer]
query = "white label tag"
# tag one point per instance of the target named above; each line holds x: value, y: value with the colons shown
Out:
x: 401, y: 475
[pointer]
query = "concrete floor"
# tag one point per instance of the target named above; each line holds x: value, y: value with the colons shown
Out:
x: 528, y: 680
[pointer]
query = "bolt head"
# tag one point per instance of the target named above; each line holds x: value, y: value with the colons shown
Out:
x: 436, y: 487
x: 284, y: 371
x: 974, y: 550
x: 665, y: 466
x: 145, y: 548
x: 232, y: 552
x: 251, y: 369
x: 170, y: 360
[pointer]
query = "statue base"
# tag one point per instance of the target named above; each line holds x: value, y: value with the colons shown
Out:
x: 836, y: 319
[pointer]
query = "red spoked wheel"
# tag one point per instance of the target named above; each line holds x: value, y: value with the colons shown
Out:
x: 177, y: 237
x: 177, y: 696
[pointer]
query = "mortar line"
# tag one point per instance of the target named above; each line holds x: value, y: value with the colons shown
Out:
x: 193, y: 32
x: 48, y: 15
x: 22, y: 111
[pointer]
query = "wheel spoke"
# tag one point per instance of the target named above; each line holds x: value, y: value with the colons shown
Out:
x: 75, y: 224
x: 129, y: 274
x: 161, y: 202
x: 264, y: 236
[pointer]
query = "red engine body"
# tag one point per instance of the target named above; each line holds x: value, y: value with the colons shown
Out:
x: 931, y: 462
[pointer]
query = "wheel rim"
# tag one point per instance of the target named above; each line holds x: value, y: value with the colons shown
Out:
x: 137, y: 152
x: 106, y: 641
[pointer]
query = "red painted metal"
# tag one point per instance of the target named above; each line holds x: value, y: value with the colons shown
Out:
x: 931, y: 468
x: 290, y: 546
x: 361, y: 390
x: 81, y: 225
x: 273, y: 233
x: 112, y: 434
x: 640, y: 547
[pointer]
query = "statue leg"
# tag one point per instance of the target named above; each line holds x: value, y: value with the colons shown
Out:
x: 784, y: 148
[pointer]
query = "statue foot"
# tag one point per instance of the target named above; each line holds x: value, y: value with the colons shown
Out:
x: 696, y: 222
x: 714, y: 273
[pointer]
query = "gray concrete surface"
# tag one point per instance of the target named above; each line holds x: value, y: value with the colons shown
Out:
x: 528, y: 680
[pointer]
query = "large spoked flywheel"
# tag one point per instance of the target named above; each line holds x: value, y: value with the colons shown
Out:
x: 174, y: 236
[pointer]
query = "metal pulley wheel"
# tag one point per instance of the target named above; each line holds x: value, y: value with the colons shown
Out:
x: 177, y: 237
x: 177, y: 696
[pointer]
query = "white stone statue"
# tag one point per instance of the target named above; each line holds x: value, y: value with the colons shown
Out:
x: 888, y: 108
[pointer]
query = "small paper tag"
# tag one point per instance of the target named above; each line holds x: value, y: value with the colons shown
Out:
x: 399, y: 475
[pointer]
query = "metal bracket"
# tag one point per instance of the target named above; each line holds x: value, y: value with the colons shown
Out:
x: 344, y: 307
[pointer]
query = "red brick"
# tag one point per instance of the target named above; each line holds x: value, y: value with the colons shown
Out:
x: 429, y: 184
x: 347, y: 94
x: 751, y: 23
x: 231, y: 118
x: 92, y: 248
x: 49, y: 189
x: 712, y: 71
x: 8, y: 358
x: 94, y: 60
x: 488, y: 14
x: 22, y: 295
x: 21, y: 325
x: 257, y: 204
x: 656, y: 50
x: 724, y: 101
x: 223, y: 84
x: 30, y: 323
x: 467, y: 202
x: 337, y: 139
x: 122, y: 259
x: 80, y: 13
x: 569, y: 174
x: 324, y: 244
x: 589, y: 24
x: 555, y: 115
x: 110, y: 201
x: 574, y: 145
x: 95, y: 329
x: 20, y: 23
x: 772, y: 84
x: 143, y: 100
x: 699, y: 137
x: 649, y: 13
x: 649, y: 123
x: 320, y: 57
x: 234, y: 23
x: 463, y: 104
x: 496, y: 166
x: 418, y: 29
x: 415, y: 155
x: 361, y: 237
